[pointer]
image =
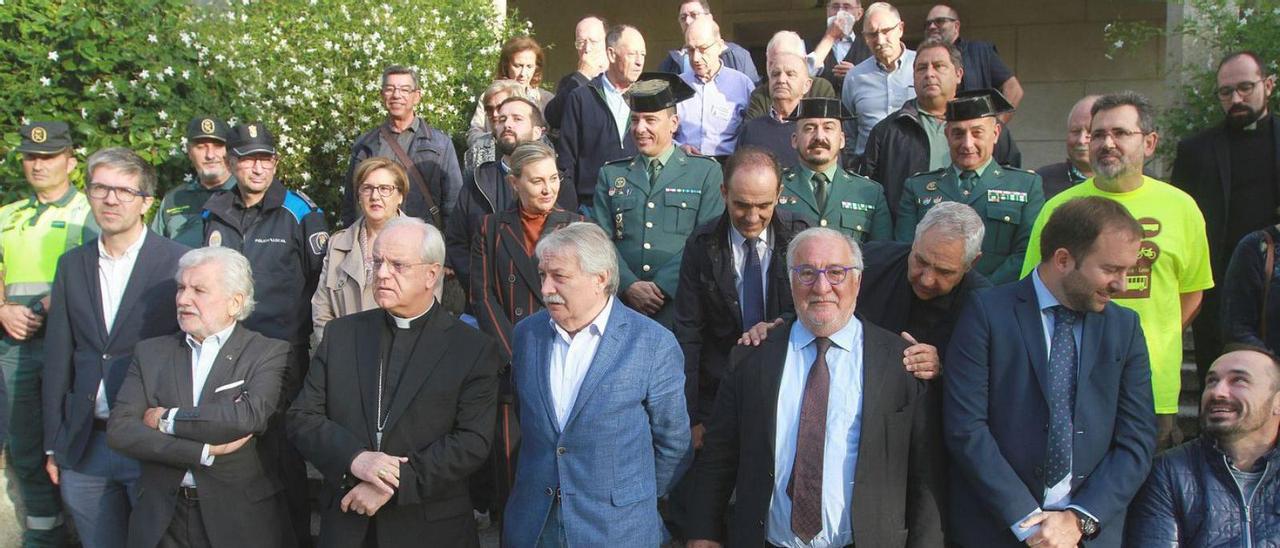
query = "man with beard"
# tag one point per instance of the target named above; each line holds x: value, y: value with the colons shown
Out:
x: 1232, y: 170
x: 1172, y: 271
x: 1058, y: 177
x: 485, y: 189
x: 1221, y: 489
x: 819, y: 189
x: 1006, y: 198
x: 651, y: 203
x: 789, y: 81
x: 1047, y: 404
x: 179, y: 217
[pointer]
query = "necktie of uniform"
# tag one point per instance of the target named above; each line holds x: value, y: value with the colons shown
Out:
x: 968, y: 180
x: 655, y: 169
x: 1062, y: 394
x: 820, y: 188
x: 805, y: 488
x: 752, y: 285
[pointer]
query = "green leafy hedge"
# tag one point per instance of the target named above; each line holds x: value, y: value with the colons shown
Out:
x: 309, y: 69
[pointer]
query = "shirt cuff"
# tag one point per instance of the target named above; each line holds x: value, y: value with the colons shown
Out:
x: 166, y: 421
x: 815, y: 64
x: 1085, y: 512
x: 205, y: 458
x: 1024, y: 533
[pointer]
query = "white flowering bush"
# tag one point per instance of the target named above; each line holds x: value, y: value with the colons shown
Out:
x: 310, y: 70
x: 1212, y: 28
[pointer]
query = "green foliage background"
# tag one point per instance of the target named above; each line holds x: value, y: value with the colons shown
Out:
x: 132, y: 72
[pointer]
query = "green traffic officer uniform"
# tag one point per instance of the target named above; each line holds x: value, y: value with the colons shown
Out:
x: 1007, y: 199
x: 180, y: 216
x: 33, y: 235
x: 855, y: 205
x: 649, y: 220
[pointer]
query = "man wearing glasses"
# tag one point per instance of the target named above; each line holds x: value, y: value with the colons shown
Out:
x: 983, y: 67
x: 881, y: 83
x: 731, y: 54
x: 863, y: 469
x: 1172, y: 271
x: 425, y: 153
x: 1232, y: 170
x: 108, y: 295
x: 38, y: 229
x: 284, y: 236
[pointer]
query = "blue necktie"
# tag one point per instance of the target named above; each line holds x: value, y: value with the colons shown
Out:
x: 1062, y: 394
x: 752, y: 286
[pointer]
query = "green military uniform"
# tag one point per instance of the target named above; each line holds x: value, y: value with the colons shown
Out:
x: 855, y: 204
x: 33, y: 235
x: 1006, y: 198
x: 179, y: 217
x: 649, y: 221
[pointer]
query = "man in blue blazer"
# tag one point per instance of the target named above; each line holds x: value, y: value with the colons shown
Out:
x: 108, y: 294
x: 602, y: 409
x: 1047, y: 407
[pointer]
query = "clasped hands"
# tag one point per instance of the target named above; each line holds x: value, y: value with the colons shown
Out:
x: 379, y: 475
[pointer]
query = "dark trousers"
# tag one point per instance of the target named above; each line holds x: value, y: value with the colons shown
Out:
x: 23, y: 363
x: 1206, y: 331
x: 290, y: 466
x: 187, y: 528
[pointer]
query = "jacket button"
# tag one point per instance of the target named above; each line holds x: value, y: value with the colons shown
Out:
x: 550, y: 491
x: 647, y: 246
x: 1006, y: 218
x: 519, y: 311
x: 648, y: 224
x: 561, y: 450
x: 650, y: 205
x: 106, y: 356
x: 645, y: 268
x: 511, y: 278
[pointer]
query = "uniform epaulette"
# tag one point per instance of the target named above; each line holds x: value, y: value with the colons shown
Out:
x: 1017, y: 169
x: 704, y: 157
x: 298, y: 204
x: 626, y: 160
x: 919, y: 173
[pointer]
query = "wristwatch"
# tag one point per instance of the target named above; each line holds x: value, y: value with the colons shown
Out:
x: 1088, y: 525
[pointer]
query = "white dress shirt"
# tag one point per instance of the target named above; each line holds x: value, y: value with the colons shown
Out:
x: 113, y: 278
x: 204, y: 355
x: 843, y: 433
x: 571, y: 357
x: 763, y: 250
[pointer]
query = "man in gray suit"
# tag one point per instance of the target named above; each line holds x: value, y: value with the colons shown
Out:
x: 189, y: 410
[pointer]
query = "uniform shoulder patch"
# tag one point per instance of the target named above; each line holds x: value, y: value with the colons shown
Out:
x: 619, y: 161
x: 318, y: 242
x: 298, y: 204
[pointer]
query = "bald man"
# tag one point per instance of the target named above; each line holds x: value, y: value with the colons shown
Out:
x: 1062, y: 175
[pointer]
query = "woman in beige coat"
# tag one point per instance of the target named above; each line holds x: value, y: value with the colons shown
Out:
x: 346, y: 281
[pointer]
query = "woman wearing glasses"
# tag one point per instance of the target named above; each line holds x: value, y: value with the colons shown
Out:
x: 346, y: 281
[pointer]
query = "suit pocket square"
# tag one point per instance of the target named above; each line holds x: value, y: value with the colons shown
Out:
x: 228, y: 386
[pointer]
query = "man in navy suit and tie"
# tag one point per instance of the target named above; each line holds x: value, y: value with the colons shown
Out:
x: 1047, y: 410
x: 108, y: 294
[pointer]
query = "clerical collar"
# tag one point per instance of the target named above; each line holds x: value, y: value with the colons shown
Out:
x: 406, y: 323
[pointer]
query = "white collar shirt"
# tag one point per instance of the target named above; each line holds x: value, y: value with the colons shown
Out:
x: 571, y: 357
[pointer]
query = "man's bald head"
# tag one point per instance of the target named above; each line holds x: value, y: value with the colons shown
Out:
x: 1078, y: 122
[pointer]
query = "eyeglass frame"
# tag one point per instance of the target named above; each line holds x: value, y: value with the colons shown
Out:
x: 124, y: 194
x: 1226, y: 92
x: 1115, y: 134
x: 798, y: 272
x: 396, y: 267
x: 383, y: 190
x: 390, y: 91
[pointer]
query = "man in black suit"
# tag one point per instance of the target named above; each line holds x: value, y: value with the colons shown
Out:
x: 190, y: 410
x: 847, y: 51
x: 859, y: 472
x: 1233, y: 172
x: 398, y: 407
x: 108, y: 294
x: 1063, y: 175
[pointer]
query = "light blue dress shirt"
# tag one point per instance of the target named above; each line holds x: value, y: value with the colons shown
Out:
x: 618, y: 107
x: 844, y: 428
x: 709, y: 120
x: 871, y: 92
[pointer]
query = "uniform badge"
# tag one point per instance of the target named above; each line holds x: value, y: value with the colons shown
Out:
x: 318, y: 242
x: 215, y: 239
x: 206, y: 125
x: 617, y: 227
x: 620, y: 182
x: 38, y: 135
x: 253, y: 131
x: 932, y: 186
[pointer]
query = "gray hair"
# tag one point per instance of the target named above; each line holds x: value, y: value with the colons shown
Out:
x: 615, y: 34
x: 510, y: 87
x: 529, y: 152
x: 236, y: 276
x: 877, y: 7
x: 955, y: 221
x: 1146, y: 112
x: 432, y: 242
x: 400, y: 69
x: 127, y: 162
x: 819, y: 232
x: 786, y: 41
x: 594, y: 250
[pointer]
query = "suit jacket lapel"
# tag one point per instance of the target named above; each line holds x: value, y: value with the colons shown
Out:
x: 949, y: 186
x: 542, y: 361
x: 773, y: 358
x: 1091, y: 335
x: 224, y: 366
x: 139, y: 280
x: 722, y: 268
x: 1032, y: 326
x: 801, y: 188
x: 426, y: 357
x: 874, y: 354
x: 367, y: 365
x: 638, y: 175
x: 182, y: 371
x: 511, y: 232
x: 606, y: 358
x: 91, y: 283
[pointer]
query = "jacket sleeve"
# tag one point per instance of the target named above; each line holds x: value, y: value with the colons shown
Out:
x: 966, y: 404
x: 882, y: 219
x: 757, y: 105
x: 870, y: 163
x: 259, y: 400
x: 127, y: 434
x: 924, y: 480
x: 569, y: 144
x: 315, y: 232
x: 457, y: 235
x: 743, y: 63
x: 904, y: 230
x: 717, y: 465
x: 460, y: 452
x: 1152, y: 520
x: 1115, y: 479
x: 668, y: 418
x: 321, y: 304
x: 484, y: 289
x: 1242, y: 304
x: 710, y: 208
x: 690, y: 319
x: 323, y: 442
x: 59, y: 348
x: 1008, y: 271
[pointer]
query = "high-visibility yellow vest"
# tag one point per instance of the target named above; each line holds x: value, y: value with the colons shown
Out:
x: 32, y: 237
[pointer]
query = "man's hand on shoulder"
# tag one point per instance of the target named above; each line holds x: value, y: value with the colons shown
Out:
x: 758, y: 333
x: 921, y: 360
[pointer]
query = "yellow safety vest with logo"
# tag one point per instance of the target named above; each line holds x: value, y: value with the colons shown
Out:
x: 32, y: 237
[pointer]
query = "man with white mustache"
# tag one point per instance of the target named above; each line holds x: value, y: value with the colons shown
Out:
x: 846, y: 452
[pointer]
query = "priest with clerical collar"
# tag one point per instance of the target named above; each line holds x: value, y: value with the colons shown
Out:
x: 394, y: 428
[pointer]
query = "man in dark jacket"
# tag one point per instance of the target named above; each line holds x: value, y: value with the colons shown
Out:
x: 1063, y: 175
x: 1222, y: 489
x: 912, y: 140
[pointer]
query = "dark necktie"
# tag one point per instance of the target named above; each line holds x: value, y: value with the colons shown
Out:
x: 655, y: 169
x: 820, y: 184
x: 752, y: 286
x: 805, y: 488
x: 1062, y: 390
x: 968, y: 180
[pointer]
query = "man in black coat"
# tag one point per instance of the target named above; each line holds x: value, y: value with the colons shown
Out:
x: 913, y: 139
x: 1232, y: 170
x: 588, y: 40
x: 399, y: 407
x: 848, y: 50
x: 1063, y: 175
